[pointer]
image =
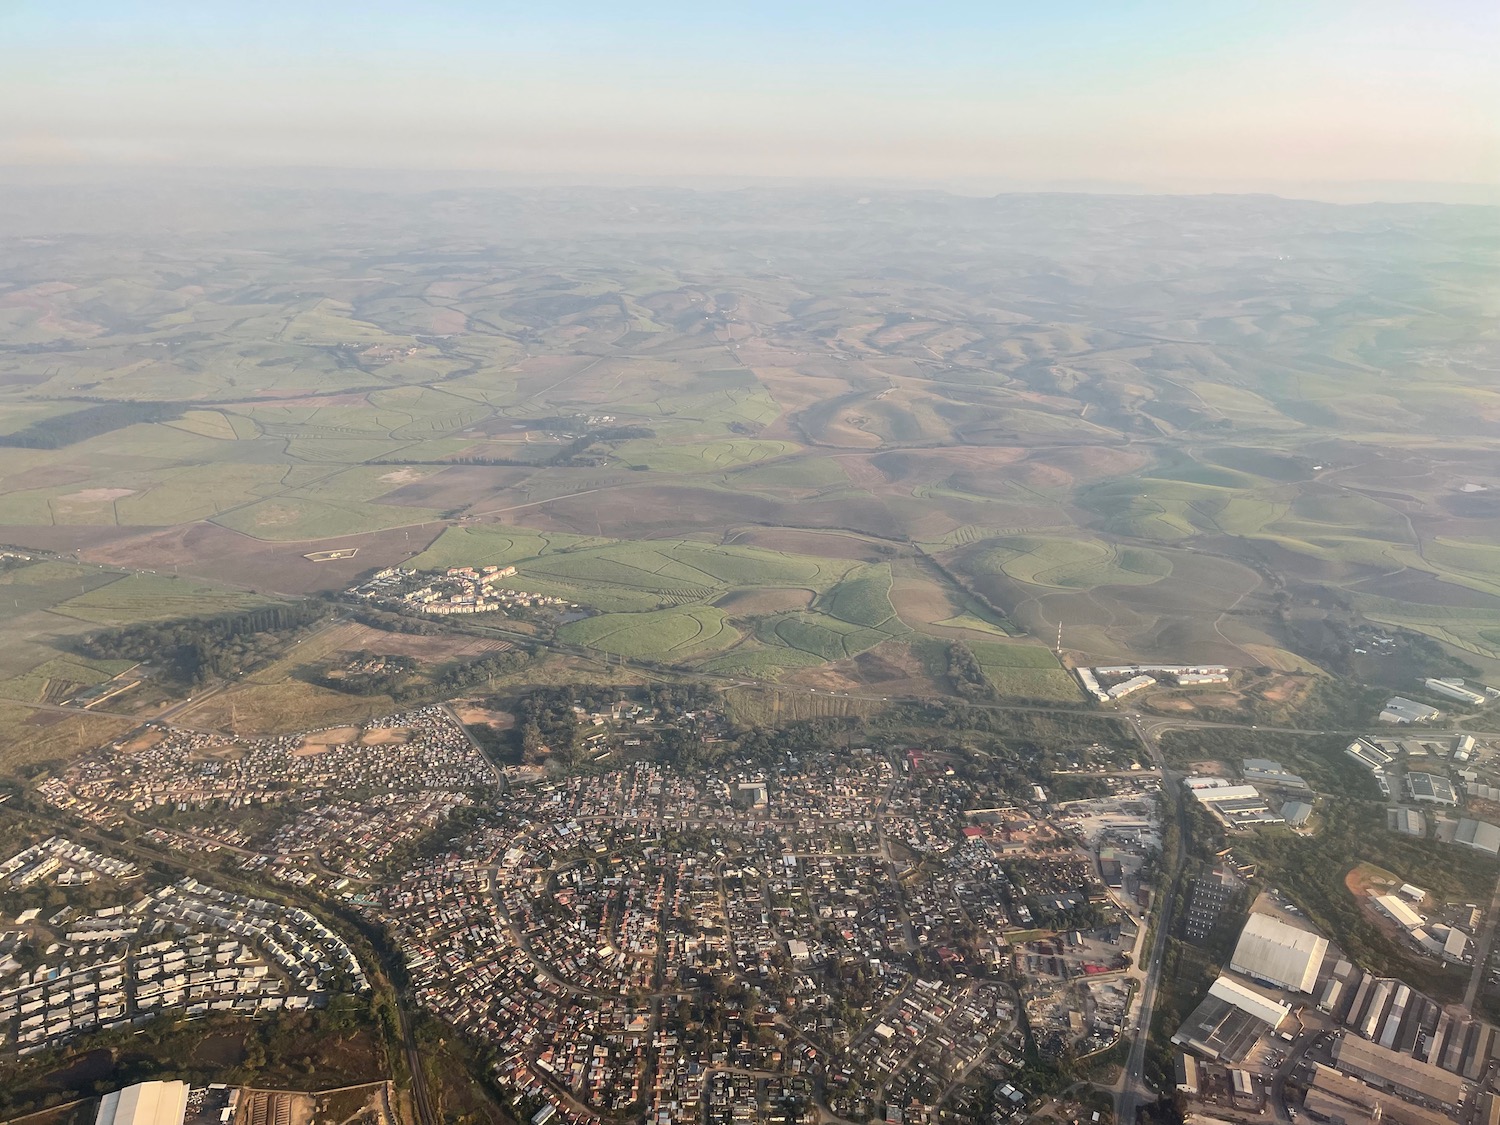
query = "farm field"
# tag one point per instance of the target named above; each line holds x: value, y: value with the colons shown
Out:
x: 773, y: 455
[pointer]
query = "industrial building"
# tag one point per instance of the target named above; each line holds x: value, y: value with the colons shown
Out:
x: 1431, y: 788
x: 1454, y: 689
x: 1263, y: 771
x: 1408, y: 822
x: 1296, y: 813
x: 1463, y: 748
x: 1229, y: 1021
x: 1400, y: 1073
x: 1367, y: 754
x: 145, y: 1103
x: 1399, y: 709
x: 1130, y: 686
x: 1479, y: 835
x: 1234, y: 806
x: 1274, y: 953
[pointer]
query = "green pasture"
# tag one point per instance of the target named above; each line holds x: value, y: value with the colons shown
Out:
x: 1171, y: 510
x: 1027, y: 671
x: 670, y: 635
x: 700, y: 457
x: 156, y: 597
x: 1069, y: 563
x: 818, y: 634
x: 863, y: 598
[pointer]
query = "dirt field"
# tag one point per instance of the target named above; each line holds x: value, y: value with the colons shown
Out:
x: 144, y: 741
x: 226, y: 556
x: 386, y: 736
x: 473, y: 714
x: 321, y: 740
x: 353, y: 637
x: 1366, y: 877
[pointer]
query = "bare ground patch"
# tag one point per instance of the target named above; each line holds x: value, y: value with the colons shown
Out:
x: 319, y: 741
x: 473, y: 714
x: 386, y: 736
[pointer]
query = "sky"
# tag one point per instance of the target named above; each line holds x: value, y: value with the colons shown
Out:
x: 1207, y: 95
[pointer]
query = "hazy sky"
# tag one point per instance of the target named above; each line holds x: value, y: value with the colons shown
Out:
x: 1210, y: 93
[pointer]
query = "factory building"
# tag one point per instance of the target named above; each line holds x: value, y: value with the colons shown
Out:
x: 1367, y: 754
x: 1229, y: 1021
x: 1454, y: 689
x: 145, y: 1103
x: 1400, y: 1073
x: 1431, y: 788
x: 1399, y: 709
x: 1479, y: 835
x: 1274, y: 953
x: 1296, y: 813
x: 1263, y: 771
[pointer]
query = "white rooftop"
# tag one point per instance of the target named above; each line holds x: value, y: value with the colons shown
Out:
x: 1270, y: 950
x: 146, y: 1103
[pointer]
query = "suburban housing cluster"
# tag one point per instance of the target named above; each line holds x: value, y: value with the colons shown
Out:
x: 458, y: 589
x: 184, y: 946
x: 343, y: 798
x: 804, y: 898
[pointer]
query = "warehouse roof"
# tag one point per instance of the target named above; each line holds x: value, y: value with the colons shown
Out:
x: 1478, y: 834
x: 1246, y: 999
x: 1400, y: 911
x: 1381, y: 1065
x: 1270, y: 950
x: 146, y: 1103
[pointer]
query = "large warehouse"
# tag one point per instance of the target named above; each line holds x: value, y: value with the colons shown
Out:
x: 1274, y: 953
x: 146, y: 1103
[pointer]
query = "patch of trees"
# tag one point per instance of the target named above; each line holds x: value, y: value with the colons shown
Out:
x: 455, y: 679
x: 196, y: 649
x: 90, y: 422
x: 604, y: 434
x: 967, y: 674
x: 396, y: 622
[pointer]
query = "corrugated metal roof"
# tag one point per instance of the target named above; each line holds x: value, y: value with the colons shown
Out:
x: 1270, y: 950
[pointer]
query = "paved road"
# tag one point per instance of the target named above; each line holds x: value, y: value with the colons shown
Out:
x: 1482, y: 945
x: 1132, y: 1091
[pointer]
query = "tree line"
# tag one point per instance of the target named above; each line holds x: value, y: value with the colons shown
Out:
x: 194, y: 650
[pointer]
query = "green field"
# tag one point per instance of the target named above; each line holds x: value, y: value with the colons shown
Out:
x: 670, y: 635
x: 1153, y: 446
x: 1071, y: 563
x: 1026, y: 671
x: 713, y: 456
x: 156, y: 597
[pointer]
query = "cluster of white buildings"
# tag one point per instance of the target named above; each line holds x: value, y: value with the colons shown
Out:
x: 185, y: 947
x: 1233, y: 805
x: 66, y: 863
x: 413, y: 752
x: 1127, y: 679
x: 458, y: 589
